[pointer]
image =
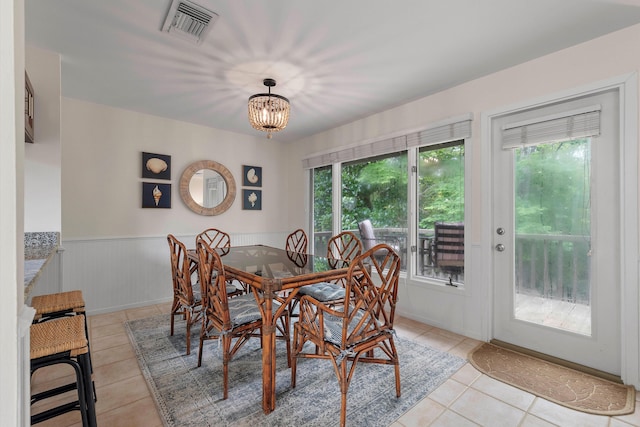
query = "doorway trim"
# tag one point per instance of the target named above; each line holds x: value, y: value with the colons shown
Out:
x: 627, y: 85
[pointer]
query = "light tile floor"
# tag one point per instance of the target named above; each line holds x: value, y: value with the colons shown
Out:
x: 468, y: 398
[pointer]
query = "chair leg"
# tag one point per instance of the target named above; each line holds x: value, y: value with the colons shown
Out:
x: 174, y: 312
x: 344, y: 386
x: 294, y: 358
x: 226, y: 347
x: 343, y: 409
x: 397, y: 368
x: 188, y: 318
x: 285, y: 322
x: 200, y: 346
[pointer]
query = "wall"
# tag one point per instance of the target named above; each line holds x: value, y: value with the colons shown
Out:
x: 42, y: 182
x: 102, y: 184
x: 464, y: 311
x: 115, y: 251
x: 13, y: 373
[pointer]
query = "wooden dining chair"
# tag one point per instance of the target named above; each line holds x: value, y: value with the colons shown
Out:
x: 187, y: 299
x: 297, y: 242
x: 218, y: 239
x: 215, y: 238
x: 342, y: 248
x: 225, y: 318
x: 349, y: 333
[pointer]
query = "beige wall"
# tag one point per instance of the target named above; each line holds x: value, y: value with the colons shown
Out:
x: 42, y: 185
x: 13, y: 407
x: 102, y: 184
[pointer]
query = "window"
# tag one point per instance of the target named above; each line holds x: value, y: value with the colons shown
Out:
x: 381, y: 181
x: 322, y: 209
x: 376, y: 189
x: 441, y: 211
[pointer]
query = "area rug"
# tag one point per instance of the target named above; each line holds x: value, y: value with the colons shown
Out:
x: 564, y: 386
x: 191, y: 396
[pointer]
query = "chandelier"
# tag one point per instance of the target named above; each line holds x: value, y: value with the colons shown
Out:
x: 268, y: 112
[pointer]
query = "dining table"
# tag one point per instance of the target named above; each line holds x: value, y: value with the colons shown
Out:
x: 276, y: 276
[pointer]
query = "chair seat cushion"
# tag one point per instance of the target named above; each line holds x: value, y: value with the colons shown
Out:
x: 333, y: 327
x: 243, y: 309
x: 197, y: 294
x: 323, y: 291
x: 231, y: 288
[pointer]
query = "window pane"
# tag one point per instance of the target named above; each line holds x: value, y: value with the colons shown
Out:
x: 376, y: 189
x: 553, y: 235
x: 441, y: 212
x: 322, y: 209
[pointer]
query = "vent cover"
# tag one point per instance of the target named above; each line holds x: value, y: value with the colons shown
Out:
x: 189, y: 21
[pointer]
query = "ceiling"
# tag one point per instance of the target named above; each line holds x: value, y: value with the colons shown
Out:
x: 336, y: 60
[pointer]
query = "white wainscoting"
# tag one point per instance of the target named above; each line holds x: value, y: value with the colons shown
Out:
x: 118, y: 273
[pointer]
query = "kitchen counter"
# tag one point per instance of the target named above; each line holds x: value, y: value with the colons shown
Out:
x: 39, y: 248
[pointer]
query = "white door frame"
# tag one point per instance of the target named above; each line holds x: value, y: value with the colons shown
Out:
x: 629, y: 238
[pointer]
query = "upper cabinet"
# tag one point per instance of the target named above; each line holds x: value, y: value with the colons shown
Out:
x: 28, y: 109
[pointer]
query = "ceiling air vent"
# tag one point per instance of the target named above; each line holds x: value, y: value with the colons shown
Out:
x: 189, y: 21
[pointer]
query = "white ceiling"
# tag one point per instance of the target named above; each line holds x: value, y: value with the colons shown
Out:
x: 336, y: 60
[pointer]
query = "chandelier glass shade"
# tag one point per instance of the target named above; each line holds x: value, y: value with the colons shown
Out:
x: 268, y: 112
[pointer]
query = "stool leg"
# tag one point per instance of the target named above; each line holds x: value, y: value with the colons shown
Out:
x: 89, y: 390
x: 59, y: 410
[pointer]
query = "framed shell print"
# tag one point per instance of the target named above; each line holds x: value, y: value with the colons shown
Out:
x: 252, y: 199
x: 251, y: 176
x: 156, y: 166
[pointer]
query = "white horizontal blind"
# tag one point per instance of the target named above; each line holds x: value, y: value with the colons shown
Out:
x: 435, y: 135
x: 440, y: 134
x: 580, y: 123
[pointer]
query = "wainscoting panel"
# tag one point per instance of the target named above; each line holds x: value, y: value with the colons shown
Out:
x: 50, y: 279
x: 120, y: 273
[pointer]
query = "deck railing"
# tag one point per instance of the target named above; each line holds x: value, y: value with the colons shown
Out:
x: 553, y: 266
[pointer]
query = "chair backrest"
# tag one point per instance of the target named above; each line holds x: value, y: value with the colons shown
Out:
x: 213, y: 285
x: 371, y: 294
x: 366, y: 234
x: 343, y: 246
x: 180, y: 270
x: 448, y: 245
x: 215, y: 238
x: 297, y: 241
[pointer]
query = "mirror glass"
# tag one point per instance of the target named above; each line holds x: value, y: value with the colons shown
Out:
x: 207, y: 187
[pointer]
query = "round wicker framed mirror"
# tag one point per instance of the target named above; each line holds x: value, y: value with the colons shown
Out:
x: 207, y: 187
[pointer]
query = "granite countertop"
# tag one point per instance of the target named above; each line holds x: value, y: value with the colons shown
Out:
x: 39, y: 248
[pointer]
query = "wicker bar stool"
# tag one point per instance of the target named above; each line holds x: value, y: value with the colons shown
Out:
x: 59, y: 304
x: 52, y: 306
x: 63, y: 340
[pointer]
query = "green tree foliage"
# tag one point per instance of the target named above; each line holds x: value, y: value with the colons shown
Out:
x: 552, y: 188
x: 375, y: 189
x: 322, y: 207
x: 440, y: 185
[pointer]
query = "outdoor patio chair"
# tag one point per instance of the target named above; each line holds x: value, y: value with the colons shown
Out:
x: 225, y: 318
x: 187, y: 300
x: 369, y: 238
x: 448, y: 248
x: 351, y: 332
